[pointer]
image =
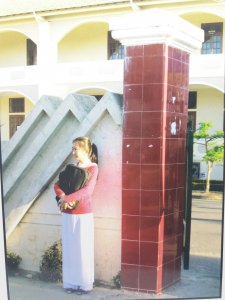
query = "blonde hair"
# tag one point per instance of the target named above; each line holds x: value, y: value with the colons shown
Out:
x: 91, y: 149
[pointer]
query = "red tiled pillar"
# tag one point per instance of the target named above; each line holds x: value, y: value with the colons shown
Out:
x: 153, y: 170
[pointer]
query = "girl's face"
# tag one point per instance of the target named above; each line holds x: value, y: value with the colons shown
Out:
x: 79, y: 153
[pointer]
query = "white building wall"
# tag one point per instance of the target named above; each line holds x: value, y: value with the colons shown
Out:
x: 13, y: 49
x: 87, y: 42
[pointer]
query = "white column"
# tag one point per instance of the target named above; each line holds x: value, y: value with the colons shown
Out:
x: 47, y: 50
x: 3, y: 278
x: 46, y: 56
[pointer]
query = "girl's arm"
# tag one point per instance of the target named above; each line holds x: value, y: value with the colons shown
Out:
x: 59, y: 192
x: 88, y: 189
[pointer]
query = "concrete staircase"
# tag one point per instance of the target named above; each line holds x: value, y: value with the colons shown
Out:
x: 37, y: 151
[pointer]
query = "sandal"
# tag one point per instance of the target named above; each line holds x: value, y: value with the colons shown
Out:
x: 69, y: 291
x: 81, y: 292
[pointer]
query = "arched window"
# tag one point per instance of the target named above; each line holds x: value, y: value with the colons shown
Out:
x: 115, y: 48
x: 213, y: 38
x: 16, y: 114
x: 31, y: 53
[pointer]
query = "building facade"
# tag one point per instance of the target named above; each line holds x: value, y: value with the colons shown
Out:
x: 56, y: 51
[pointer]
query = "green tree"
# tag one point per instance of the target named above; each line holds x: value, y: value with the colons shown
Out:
x: 214, y: 147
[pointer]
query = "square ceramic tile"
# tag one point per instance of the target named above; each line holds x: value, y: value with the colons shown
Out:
x: 153, y: 97
x: 151, y: 177
x: 185, y: 57
x: 181, y: 145
x: 170, y: 201
x: 181, y: 175
x: 151, y: 124
x: 177, y: 73
x: 149, y: 229
x: 130, y: 252
x: 130, y: 227
x: 132, y: 97
x: 181, y: 198
x: 131, y: 202
x: 151, y: 203
x: 131, y: 176
x: 178, y: 222
x: 170, y: 72
x: 169, y: 249
x: 168, y: 274
x: 171, y: 176
x: 132, y: 125
x: 133, y: 70
x: 154, y: 69
x: 182, y: 96
x: 177, y: 269
x: 151, y: 151
x: 149, y: 253
x: 179, y: 245
x: 177, y: 54
x: 171, y: 151
x: 133, y: 51
x: 169, y: 227
x: 131, y: 150
x: 154, y: 50
x: 170, y: 52
x: 129, y: 276
x: 148, y: 278
x: 185, y: 71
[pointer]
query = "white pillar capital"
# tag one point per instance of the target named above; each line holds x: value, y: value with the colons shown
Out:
x: 157, y: 26
x: 47, y: 48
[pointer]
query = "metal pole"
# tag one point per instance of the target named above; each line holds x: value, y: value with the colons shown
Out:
x: 188, y: 202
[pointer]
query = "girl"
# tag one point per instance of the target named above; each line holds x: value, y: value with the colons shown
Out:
x: 77, y: 223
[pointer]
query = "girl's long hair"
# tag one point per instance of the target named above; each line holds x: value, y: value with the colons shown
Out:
x: 92, y: 150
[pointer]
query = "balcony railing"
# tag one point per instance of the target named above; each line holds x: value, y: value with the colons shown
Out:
x: 94, y: 71
x: 208, y: 68
x: 208, y: 65
x: 14, y: 76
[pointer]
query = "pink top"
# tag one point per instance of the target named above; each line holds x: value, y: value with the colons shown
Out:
x: 84, y: 195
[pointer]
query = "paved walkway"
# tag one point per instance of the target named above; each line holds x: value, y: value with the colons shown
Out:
x: 202, y: 280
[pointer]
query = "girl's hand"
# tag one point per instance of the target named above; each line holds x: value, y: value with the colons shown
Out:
x: 67, y: 205
x: 61, y: 202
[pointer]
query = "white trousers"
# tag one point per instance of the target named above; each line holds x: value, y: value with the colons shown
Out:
x: 78, y: 251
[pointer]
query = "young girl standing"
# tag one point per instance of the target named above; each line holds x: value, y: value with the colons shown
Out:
x: 78, y: 224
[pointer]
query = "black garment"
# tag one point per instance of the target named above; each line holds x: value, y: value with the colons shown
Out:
x: 72, y: 179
